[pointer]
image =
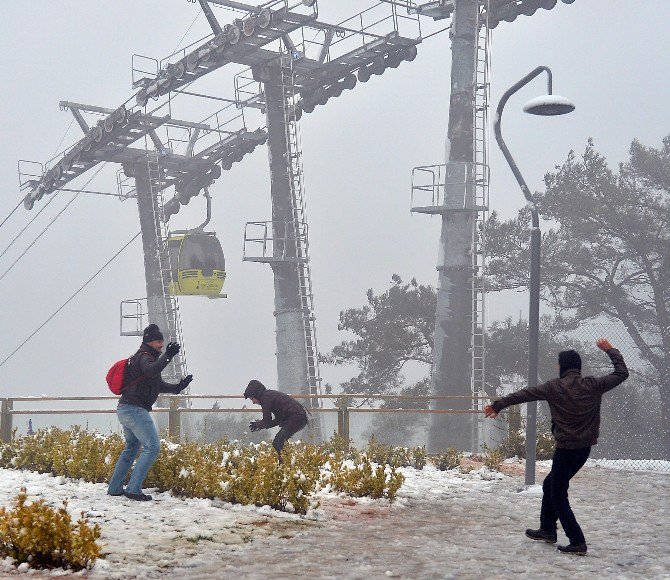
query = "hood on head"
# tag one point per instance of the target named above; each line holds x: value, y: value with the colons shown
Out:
x: 254, y: 390
x: 569, y: 360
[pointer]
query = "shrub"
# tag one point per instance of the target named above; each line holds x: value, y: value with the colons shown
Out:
x: 75, y: 453
x: 451, y: 459
x: 230, y: 471
x: 397, y: 456
x: 362, y: 477
x: 492, y: 457
x: 515, y: 443
x: 46, y: 537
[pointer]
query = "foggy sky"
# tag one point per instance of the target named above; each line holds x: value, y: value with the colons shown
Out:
x: 359, y: 151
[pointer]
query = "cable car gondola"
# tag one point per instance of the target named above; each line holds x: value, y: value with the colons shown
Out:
x: 198, y: 264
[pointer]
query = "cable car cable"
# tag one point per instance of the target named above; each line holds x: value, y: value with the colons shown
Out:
x: 70, y: 298
x: 16, y: 237
x: 187, y: 31
x: 21, y: 201
x: 50, y: 223
x: 18, y: 205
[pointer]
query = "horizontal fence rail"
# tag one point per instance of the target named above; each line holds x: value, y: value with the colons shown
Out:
x: 343, y: 405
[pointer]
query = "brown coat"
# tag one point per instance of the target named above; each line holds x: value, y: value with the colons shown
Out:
x: 574, y: 402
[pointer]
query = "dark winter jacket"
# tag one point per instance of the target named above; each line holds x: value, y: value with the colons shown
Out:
x: 148, y: 363
x: 574, y: 402
x: 278, y: 408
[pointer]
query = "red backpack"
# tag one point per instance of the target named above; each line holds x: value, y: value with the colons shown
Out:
x: 117, y: 373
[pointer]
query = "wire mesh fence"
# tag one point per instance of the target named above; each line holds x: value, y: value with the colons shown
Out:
x: 632, y: 434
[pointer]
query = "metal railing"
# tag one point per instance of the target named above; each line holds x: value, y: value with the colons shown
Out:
x: 343, y: 405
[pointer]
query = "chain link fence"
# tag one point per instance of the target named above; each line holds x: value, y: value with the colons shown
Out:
x: 631, y: 430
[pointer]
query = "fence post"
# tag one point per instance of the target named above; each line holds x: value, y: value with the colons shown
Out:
x: 174, y: 419
x: 514, y: 420
x: 6, y: 421
x: 343, y: 418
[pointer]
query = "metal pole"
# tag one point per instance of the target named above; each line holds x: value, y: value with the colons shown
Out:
x: 152, y: 241
x: 535, y: 253
x: 292, y: 372
x: 150, y: 244
x: 533, y: 347
x: 452, y: 360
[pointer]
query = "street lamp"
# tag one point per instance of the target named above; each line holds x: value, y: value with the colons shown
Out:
x: 546, y: 105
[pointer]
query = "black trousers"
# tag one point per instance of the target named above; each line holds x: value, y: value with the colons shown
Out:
x: 288, y: 429
x: 555, y: 505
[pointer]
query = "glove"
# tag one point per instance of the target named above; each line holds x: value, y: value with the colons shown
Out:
x: 253, y: 426
x: 185, y: 382
x: 172, y: 349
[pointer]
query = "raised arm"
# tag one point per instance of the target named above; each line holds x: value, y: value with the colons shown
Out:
x: 620, y: 372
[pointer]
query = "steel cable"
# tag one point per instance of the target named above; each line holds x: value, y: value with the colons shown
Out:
x: 70, y: 298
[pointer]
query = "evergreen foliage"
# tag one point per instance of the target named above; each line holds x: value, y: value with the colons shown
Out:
x: 229, y: 471
x: 45, y: 537
x: 608, y: 254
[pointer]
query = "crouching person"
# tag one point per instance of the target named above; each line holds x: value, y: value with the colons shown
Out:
x: 278, y: 409
x: 141, y: 385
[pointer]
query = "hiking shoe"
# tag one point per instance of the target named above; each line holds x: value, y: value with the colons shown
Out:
x: 137, y: 496
x: 549, y: 537
x: 576, y: 549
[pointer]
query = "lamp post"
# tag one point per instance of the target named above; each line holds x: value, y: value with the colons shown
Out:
x: 546, y: 105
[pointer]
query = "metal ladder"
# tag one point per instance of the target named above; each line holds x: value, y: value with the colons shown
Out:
x: 177, y: 369
x: 294, y: 152
x: 481, y: 199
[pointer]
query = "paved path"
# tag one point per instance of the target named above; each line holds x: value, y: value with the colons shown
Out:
x: 463, y: 533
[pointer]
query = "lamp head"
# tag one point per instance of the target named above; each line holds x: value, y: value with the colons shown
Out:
x: 549, y: 105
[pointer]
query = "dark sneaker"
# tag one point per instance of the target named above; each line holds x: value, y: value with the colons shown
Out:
x: 549, y: 537
x: 137, y: 496
x: 116, y: 494
x: 576, y: 549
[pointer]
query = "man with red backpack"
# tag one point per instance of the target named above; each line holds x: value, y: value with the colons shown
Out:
x: 142, y: 384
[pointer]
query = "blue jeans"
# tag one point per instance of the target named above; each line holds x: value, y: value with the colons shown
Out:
x: 139, y: 431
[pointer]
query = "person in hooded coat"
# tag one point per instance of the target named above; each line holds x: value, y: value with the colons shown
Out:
x: 278, y: 409
x: 142, y: 383
x: 574, y: 402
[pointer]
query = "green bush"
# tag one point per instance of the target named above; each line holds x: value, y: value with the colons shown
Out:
x: 230, y: 471
x: 451, y: 459
x: 515, y: 443
x: 397, y: 456
x: 361, y: 477
x: 74, y: 453
x: 492, y: 457
x: 46, y: 537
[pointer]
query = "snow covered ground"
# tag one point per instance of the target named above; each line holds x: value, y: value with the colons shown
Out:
x: 444, y: 525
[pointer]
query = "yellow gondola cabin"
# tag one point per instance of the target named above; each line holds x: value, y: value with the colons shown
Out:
x: 198, y: 264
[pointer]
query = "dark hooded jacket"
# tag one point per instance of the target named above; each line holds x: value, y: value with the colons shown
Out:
x: 147, y: 363
x: 278, y: 408
x: 574, y: 402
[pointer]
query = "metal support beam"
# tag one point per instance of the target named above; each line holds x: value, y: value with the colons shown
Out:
x: 95, y: 109
x: 292, y: 373
x: 452, y: 360
x: 151, y: 245
x: 80, y: 120
x: 237, y: 5
x: 326, y: 45
x: 213, y: 22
